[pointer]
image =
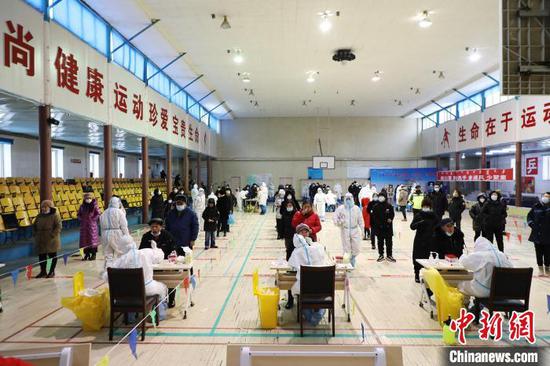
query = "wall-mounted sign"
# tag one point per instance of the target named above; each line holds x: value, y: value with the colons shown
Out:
x: 476, y: 175
x: 532, y: 166
x: 76, y: 161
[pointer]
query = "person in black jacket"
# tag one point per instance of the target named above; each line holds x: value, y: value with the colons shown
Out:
x: 448, y: 240
x: 290, y: 195
x: 439, y: 201
x: 165, y: 241
x: 370, y: 208
x: 425, y: 223
x: 354, y: 189
x: 383, y: 214
x: 538, y: 220
x: 288, y: 209
x: 456, y: 207
x: 475, y: 214
x: 225, y: 207
x: 210, y: 216
x: 157, y: 204
x: 493, y: 219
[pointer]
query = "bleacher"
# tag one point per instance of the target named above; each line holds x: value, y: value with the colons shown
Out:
x: 20, y: 198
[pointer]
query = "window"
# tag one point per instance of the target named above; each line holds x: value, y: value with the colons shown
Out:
x: 546, y: 167
x: 513, y: 166
x: 195, y: 108
x: 38, y: 4
x: 204, y: 115
x: 120, y: 160
x: 5, y: 158
x: 57, y: 162
x: 469, y: 106
x: 81, y: 21
x: 493, y: 96
x: 127, y: 56
x: 140, y: 168
x: 445, y: 115
x: 93, y: 161
x: 215, y: 124
x: 160, y: 82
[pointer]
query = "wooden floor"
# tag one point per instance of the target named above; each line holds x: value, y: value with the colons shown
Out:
x: 385, y: 299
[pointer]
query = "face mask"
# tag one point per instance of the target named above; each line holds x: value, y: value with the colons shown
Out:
x: 175, y: 191
x: 155, y: 234
x: 88, y: 200
x: 449, y: 234
x: 426, y: 209
x: 227, y: 192
x: 494, y: 197
x: 545, y: 200
x: 169, y: 201
x: 288, y: 197
x: 46, y: 210
x: 455, y: 194
x: 381, y: 199
x: 482, y: 200
x: 349, y: 204
x: 374, y: 198
x: 290, y: 209
x: 436, y: 189
x: 180, y: 207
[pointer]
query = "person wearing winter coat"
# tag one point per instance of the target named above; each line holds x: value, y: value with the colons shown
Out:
x: 475, y: 214
x: 439, y: 201
x: 484, y: 258
x: 456, y: 207
x: 163, y: 239
x: 88, y: 215
x: 47, y: 237
x: 425, y: 223
x: 308, y: 217
x: 366, y: 217
x: 349, y: 219
x: 448, y: 239
x: 354, y: 189
x: 182, y: 223
x: 382, y: 216
x: 279, y: 199
x: 225, y: 208
x: 113, y: 227
x: 538, y: 220
x: 493, y: 219
x: 210, y: 217
x: 402, y: 200
x: 305, y: 253
x: 330, y: 200
x: 370, y: 208
x: 291, y: 196
x: 157, y: 204
x: 319, y: 202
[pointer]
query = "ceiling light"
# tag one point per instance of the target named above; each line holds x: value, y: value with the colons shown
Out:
x: 225, y: 24
x: 417, y: 91
x: 238, y: 57
x: 474, y: 55
x: 425, y: 21
x: 311, y: 76
x: 326, y: 25
x: 245, y: 76
x: 441, y: 75
x: 352, y: 102
x: 251, y: 92
x: 255, y: 103
x: 377, y: 76
x: 304, y: 103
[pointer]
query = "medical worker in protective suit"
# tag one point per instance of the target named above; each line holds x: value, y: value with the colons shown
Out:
x: 349, y: 219
x: 131, y: 257
x: 481, y: 262
x: 194, y: 194
x: 199, y: 204
x: 306, y: 253
x: 113, y: 227
x: 330, y: 200
x: 262, y: 198
x: 319, y: 203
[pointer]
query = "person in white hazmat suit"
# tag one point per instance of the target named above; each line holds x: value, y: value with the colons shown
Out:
x: 198, y: 205
x: 306, y: 253
x: 481, y: 262
x: 319, y: 201
x: 338, y: 192
x: 131, y: 257
x: 213, y: 196
x: 113, y: 227
x: 349, y: 219
x: 194, y: 194
x: 330, y: 200
x: 240, y: 201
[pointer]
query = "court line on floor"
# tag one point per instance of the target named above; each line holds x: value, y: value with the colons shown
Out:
x: 237, y: 253
x: 239, y: 275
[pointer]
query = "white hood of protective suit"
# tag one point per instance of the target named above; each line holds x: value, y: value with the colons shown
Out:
x: 481, y: 262
x: 330, y: 198
x: 306, y: 253
x: 213, y: 196
x: 115, y: 203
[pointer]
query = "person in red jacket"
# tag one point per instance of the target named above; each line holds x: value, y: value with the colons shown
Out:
x: 366, y: 217
x: 308, y: 217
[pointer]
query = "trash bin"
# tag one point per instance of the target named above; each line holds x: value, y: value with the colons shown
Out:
x: 268, y: 304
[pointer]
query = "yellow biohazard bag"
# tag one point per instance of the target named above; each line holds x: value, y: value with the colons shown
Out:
x: 448, y: 299
x: 92, y: 309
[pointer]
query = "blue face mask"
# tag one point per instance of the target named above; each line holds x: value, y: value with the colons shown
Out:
x: 349, y: 203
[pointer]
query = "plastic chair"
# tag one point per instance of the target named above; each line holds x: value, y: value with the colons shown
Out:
x: 317, y: 292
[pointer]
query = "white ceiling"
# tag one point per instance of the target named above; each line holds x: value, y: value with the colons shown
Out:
x: 281, y: 41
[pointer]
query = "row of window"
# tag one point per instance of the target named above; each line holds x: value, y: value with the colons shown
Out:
x: 464, y: 107
x: 96, y: 32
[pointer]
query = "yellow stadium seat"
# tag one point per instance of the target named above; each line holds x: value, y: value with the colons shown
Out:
x: 7, y: 205
x: 18, y: 203
x: 23, y: 218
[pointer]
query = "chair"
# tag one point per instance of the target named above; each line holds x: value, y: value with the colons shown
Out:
x: 317, y: 292
x: 510, y: 290
x: 22, y: 218
x: 7, y: 204
x: 127, y: 293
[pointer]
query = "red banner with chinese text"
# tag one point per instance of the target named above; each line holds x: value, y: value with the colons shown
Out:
x: 476, y: 175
